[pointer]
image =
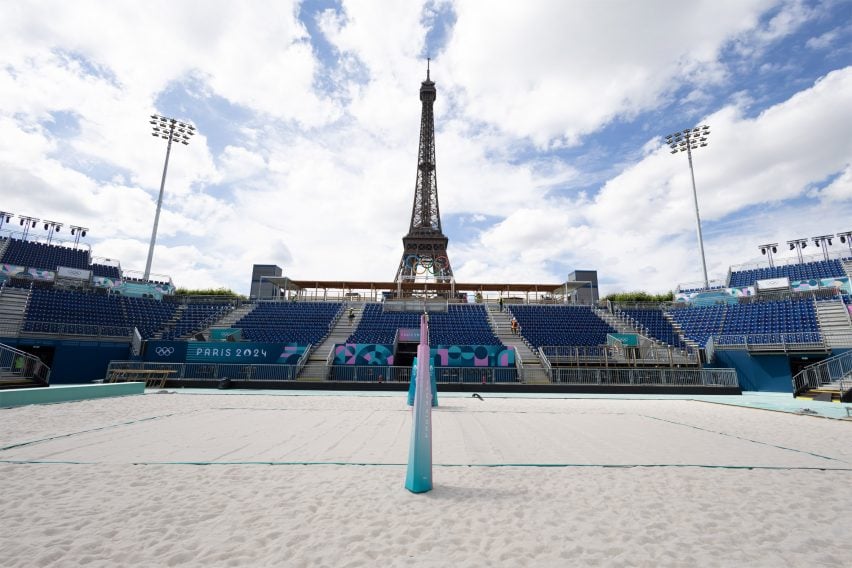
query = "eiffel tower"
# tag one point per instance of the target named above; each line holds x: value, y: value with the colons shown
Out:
x: 425, y: 246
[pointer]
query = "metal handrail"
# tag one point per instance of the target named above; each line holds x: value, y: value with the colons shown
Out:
x: 23, y: 365
x: 834, y: 369
x: 646, y: 377
x: 519, y: 363
x: 545, y: 362
x: 300, y: 364
x: 797, y: 341
x: 64, y: 328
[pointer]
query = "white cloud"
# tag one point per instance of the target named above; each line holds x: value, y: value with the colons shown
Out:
x: 320, y: 178
x: 640, y: 227
x: 562, y: 71
x: 824, y: 40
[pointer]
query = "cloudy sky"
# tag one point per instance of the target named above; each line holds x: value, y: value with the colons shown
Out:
x: 550, y: 120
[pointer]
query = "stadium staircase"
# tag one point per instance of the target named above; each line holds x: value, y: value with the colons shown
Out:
x: 13, y: 307
x: 4, y: 244
x: 679, y: 330
x: 829, y: 392
x: 316, y: 368
x: 531, y: 368
x: 230, y: 318
x: 644, y: 332
x: 619, y: 324
x: 176, y: 317
x: 847, y: 266
x: 835, y: 323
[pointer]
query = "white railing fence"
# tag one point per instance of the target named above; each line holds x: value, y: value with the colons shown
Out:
x: 834, y: 369
x: 15, y: 363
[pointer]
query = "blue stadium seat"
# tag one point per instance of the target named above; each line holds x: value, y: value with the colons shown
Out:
x: 289, y: 322
x: 561, y: 325
x: 462, y: 324
x: 807, y: 271
x: 44, y: 256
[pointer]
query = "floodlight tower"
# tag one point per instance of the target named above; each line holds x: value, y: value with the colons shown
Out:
x: 5, y: 217
x: 798, y: 245
x: 845, y: 237
x: 688, y: 140
x: 171, y: 130
x: 78, y: 232
x: 823, y: 242
x: 27, y: 223
x: 769, y: 249
x: 51, y: 227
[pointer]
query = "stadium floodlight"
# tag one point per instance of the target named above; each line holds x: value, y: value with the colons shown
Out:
x: 78, y: 232
x: 768, y: 250
x: 51, y: 227
x: 846, y: 238
x: 823, y: 242
x: 686, y: 141
x: 798, y: 245
x: 171, y: 130
x: 5, y: 217
x: 27, y: 223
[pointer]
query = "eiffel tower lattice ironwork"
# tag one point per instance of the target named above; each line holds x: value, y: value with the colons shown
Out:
x: 425, y: 246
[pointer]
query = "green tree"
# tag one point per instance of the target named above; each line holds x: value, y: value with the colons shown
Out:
x: 639, y: 296
x: 208, y: 292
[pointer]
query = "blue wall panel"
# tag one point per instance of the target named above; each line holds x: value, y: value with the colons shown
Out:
x: 84, y: 361
x: 758, y: 372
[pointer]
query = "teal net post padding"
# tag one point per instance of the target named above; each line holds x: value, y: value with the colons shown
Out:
x: 418, y: 477
x: 412, y: 384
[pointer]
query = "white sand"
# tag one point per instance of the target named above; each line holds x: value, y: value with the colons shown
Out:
x: 123, y: 503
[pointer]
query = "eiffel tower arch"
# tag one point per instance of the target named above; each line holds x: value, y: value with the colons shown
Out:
x: 424, y: 253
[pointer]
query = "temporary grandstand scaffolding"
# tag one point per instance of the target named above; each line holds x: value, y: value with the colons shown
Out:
x: 452, y: 291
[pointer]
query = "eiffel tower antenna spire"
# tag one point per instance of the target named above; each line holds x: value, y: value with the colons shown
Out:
x: 425, y: 246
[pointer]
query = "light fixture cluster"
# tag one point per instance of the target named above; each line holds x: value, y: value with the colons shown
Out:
x: 27, y: 223
x: 688, y: 139
x: 821, y: 241
x: 171, y: 129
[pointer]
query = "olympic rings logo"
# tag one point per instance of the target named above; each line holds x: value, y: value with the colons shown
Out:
x: 164, y: 351
x: 426, y: 264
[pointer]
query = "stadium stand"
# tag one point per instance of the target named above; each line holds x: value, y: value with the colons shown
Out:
x: 82, y: 313
x: 699, y: 323
x: 766, y: 318
x: 106, y: 271
x: 193, y: 317
x: 44, y: 256
x: 807, y: 271
x: 289, y: 322
x: 773, y: 318
x: 654, y: 324
x: 148, y: 315
x: 460, y: 325
x: 560, y: 325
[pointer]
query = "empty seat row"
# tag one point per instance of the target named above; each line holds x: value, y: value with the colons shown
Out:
x: 561, y: 325
x: 460, y: 325
x: 44, y: 256
x: 805, y: 271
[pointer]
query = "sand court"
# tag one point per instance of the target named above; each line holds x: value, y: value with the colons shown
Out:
x: 495, y: 431
x: 119, y: 482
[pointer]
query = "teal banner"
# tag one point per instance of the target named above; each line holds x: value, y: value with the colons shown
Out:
x: 628, y: 339
x: 222, y: 333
